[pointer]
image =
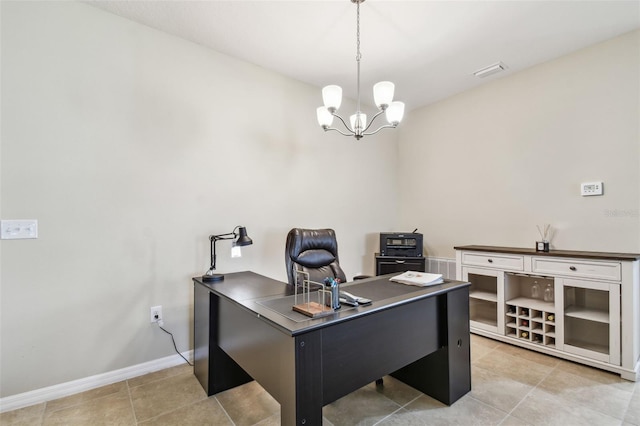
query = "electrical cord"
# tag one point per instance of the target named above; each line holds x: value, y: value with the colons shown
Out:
x: 174, y: 343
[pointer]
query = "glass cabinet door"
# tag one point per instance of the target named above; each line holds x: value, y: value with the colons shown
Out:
x: 591, y: 319
x: 487, y: 288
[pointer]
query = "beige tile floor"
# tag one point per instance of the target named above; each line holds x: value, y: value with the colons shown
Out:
x: 510, y: 386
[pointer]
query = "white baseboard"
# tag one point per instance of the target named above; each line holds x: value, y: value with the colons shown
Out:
x: 49, y: 393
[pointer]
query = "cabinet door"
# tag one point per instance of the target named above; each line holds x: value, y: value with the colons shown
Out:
x: 486, y: 298
x: 591, y: 319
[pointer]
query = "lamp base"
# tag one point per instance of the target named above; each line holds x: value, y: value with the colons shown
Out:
x: 212, y: 278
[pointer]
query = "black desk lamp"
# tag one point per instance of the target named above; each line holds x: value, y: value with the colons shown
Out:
x: 242, y: 240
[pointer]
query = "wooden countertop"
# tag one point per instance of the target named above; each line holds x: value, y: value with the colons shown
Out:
x: 553, y: 253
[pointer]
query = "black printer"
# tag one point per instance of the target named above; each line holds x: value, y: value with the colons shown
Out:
x: 401, y: 244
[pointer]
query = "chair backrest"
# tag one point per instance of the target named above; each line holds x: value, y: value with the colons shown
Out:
x: 314, y: 251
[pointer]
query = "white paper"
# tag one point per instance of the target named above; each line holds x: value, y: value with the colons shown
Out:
x: 421, y: 279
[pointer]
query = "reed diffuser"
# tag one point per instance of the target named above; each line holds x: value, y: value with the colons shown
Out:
x: 543, y: 245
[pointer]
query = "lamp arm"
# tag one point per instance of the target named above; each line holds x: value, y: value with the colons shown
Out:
x: 213, y: 239
x: 351, y: 132
x: 339, y: 131
x: 364, y: 132
x: 371, y: 122
x: 386, y: 126
x: 344, y: 124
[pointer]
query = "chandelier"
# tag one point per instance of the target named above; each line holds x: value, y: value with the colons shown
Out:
x: 382, y: 95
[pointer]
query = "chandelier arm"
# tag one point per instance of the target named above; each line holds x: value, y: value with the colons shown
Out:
x: 343, y: 122
x: 386, y: 126
x: 339, y: 131
x: 372, y: 120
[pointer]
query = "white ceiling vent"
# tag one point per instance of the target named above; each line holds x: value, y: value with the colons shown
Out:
x: 491, y: 69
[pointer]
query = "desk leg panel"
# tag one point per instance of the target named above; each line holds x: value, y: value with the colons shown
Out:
x: 265, y: 352
x: 307, y: 407
x: 445, y: 374
x: 213, y: 368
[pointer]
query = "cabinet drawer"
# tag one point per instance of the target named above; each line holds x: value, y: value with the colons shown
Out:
x: 512, y: 263
x: 393, y: 265
x: 572, y: 268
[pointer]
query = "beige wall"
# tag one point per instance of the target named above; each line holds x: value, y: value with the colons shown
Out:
x: 130, y: 147
x: 488, y: 165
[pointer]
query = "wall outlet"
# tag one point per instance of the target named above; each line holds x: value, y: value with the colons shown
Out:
x: 156, y: 314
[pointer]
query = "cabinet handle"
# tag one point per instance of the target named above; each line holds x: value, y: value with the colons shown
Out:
x: 400, y: 261
x: 490, y: 260
x: 573, y: 268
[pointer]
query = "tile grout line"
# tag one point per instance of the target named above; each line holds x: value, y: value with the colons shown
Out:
x: 133, y: 410
x: 387, y: 416
x: 164, y: 413
x: 479, y: 401
x: 44, y: 410
x: 531, y: 391
x: 510, y: 413
x: 169, y: 411
x: 155, y: 380
x: 82, y: 402
x: 400, y: 407
x: 626, y: 412
x: 225, y: 411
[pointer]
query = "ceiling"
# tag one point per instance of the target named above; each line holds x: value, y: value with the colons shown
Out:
x: 429, y: 49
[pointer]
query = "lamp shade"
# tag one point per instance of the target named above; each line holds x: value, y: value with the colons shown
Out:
x: 325, y: 118
x: 354, y: 121
x: 383, y: 93
x: 395, y: 112
x: 332, y: 97
x: 243, y: 238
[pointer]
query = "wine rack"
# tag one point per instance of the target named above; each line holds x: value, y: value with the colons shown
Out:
x: 531, y: 320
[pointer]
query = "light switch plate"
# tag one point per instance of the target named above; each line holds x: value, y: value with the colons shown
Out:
x: 18, y: 229
x: 590, y: 188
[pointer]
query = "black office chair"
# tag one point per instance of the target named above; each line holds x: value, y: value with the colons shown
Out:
x: 314, y: 251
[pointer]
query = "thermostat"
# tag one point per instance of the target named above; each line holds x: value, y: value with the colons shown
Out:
x: 590, y: 188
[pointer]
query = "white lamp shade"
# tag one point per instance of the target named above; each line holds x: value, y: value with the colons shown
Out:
x: 332, y: 96
x: 325, y: 118
x: 395, y: 112
x: 383, y: 93
x: 363, y: 121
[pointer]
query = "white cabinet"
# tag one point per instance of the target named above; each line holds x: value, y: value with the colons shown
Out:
x: 581, y: 306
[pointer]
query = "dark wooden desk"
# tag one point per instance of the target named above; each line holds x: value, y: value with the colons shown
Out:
x: 418, y: 335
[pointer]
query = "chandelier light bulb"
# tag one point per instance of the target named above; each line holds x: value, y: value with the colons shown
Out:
x: 325, y: 118
x: 332, y: 97
x: 395, y: 112
x: 383, y: 94
x: 358, y: 122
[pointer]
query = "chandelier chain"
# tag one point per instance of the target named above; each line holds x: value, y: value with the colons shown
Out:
x: 358, y: 54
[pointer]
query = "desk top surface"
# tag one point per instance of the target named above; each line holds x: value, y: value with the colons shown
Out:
x: 259, y: 294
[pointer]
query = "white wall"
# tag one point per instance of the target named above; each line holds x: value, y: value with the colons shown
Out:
x: 488, y: 165
x: 124, y: 143
x: 130, y: 147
